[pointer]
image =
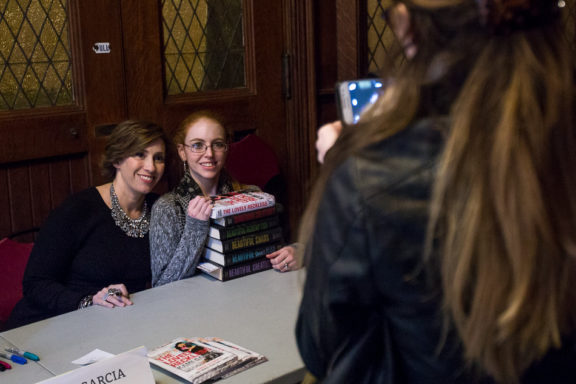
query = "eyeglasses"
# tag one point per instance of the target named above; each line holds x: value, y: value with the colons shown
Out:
x: 200, y: 147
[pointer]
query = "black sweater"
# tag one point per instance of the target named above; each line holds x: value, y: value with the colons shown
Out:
x: 79, y: 251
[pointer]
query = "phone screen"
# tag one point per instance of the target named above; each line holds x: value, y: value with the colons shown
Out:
x: 354, y: 96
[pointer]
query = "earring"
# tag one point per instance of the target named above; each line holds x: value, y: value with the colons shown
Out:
x: 185, y: 166
x: 410, y: 49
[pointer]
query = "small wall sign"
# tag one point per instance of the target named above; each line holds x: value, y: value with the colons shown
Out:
x: 101, y: 47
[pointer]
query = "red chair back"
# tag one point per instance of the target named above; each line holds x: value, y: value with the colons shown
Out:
x: 252, y: 161
x: 13, y: 259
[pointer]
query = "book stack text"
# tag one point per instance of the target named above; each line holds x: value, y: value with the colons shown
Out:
x: 245, y: 228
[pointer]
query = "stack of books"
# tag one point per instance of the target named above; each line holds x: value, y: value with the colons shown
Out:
x: 244, y: 228
x: 204, y: 359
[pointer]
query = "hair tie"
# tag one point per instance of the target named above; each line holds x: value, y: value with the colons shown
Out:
x: 502, y: 17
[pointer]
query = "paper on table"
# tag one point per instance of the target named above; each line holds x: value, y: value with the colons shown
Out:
x: 131, y: 367
x: 93, y: 357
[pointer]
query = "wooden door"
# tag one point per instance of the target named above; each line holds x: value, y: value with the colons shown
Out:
x: 43, y: 119
x: 117, y: 62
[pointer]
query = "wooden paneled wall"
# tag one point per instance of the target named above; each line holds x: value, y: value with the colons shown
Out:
x: 30, y: 190
x: 342, y: 55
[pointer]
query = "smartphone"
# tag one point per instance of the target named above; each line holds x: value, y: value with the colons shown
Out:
x: 352, y: 97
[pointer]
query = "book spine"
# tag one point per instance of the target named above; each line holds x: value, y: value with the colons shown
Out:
x: 246, y: 269
x: 241, y: 256
x: 251, y: 240
x: 240, y: 202
x: 244, y: 217
x: 225, y: 233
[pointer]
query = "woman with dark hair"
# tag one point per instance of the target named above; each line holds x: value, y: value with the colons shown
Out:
x: 439, y: 240
x: 180, y: 219
x: 94, y: 248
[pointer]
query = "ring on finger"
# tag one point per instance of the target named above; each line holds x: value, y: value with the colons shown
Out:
x: 286, y: 266
x: 114, y: 292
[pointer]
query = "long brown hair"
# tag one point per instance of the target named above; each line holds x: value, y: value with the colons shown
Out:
x: 503, y: 212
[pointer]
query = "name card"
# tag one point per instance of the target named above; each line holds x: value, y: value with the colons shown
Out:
x: 130, y: 367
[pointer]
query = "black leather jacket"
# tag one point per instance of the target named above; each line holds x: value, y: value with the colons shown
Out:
x: 370, y: 313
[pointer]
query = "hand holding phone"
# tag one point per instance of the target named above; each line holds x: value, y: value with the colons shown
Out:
x: 354, y: 96
x: 327, y: 135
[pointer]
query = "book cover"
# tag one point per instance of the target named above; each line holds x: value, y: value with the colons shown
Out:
x: 247, y: 216
x: 246, y: 241
x: 246, y: 358
x: 234, y: 271
x: 192, y: 360
x: 231, y: 258
x: 222, y: 233
x: 240, y: 201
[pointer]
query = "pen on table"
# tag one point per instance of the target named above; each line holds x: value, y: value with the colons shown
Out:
x: 14, y: 358
x: 19, y: 352
x: 5, y: 365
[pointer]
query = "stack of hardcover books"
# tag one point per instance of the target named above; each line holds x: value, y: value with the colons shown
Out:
x: 244, y: 228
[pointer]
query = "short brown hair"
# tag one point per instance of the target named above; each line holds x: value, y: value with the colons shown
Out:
x: 127, y: 139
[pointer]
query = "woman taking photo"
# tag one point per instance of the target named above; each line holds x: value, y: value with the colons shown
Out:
x: 94, y: 248
x: 181, y: 218
x: 440, y: 239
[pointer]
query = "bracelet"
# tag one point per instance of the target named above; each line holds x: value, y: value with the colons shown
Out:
x: 85, y: 302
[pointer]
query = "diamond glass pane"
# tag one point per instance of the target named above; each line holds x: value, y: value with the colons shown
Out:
x: 381, y: 41
x: 203, y: 45
x: 35, y: 60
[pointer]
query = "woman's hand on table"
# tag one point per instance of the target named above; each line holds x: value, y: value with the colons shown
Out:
x: 284, y: 259
x: 114, y: 295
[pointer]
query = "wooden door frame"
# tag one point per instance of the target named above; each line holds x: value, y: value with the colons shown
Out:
x: 307, y: 96
x: 301, y: 113
x: 311, y: 102
x: 348, y: 39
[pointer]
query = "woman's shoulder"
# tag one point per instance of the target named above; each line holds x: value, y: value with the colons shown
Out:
x: 415, y: 148
x: 420, y: 141
x: 402, y: 164
x: 166, y: 202
x: 227, y: 183
x: 84, y: 198
x: 78, y: 207
x: 238, y: 186
x: 166, y: 198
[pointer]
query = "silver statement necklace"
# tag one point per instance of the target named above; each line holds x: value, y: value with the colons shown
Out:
x: 132, y: 227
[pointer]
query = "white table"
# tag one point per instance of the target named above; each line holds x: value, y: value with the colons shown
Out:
x: 29, y: 373
x: 257, y: 312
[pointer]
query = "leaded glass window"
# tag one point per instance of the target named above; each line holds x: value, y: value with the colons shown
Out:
x: 204, y: 46
x: 381, y: 39
x: 35, y: 59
